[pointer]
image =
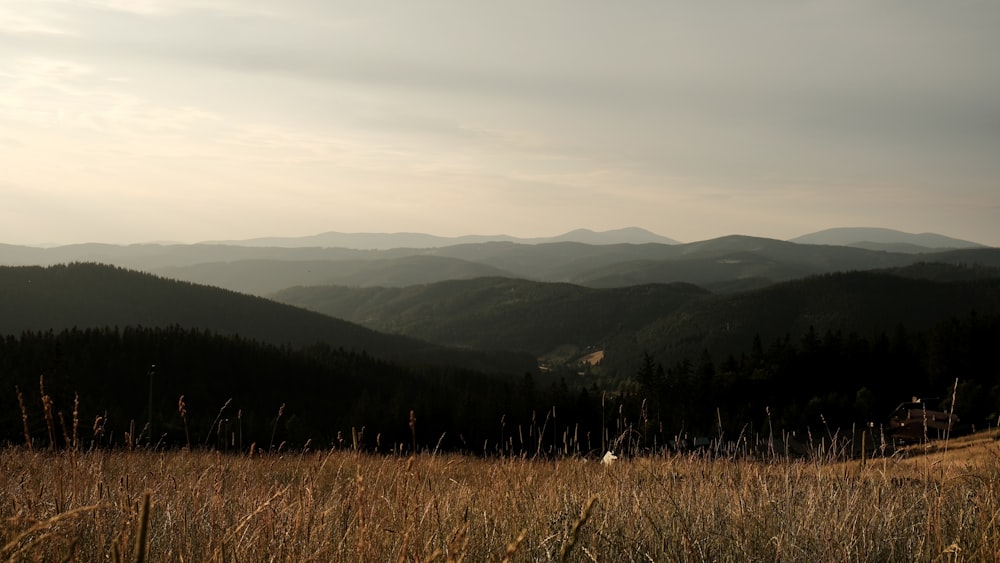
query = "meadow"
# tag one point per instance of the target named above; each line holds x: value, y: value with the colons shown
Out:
x: 927, y: 504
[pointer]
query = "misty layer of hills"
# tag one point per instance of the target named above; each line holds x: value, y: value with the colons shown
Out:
x: 552, y: 298
x: 388, y: 241
x: 729, y: 263
x: 534, y: 309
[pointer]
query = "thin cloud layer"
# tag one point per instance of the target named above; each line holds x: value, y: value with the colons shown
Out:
x: 131, y: 120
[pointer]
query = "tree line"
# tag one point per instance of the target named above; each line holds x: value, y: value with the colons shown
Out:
x: 177, y: 387
x: 832, y: 380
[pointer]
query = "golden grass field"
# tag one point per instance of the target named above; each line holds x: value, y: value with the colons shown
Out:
x: 927, y: 504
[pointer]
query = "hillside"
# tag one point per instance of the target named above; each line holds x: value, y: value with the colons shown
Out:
x: 235, y: 392
x: 936, y: 271
x: 833, y: 349
x: 884, y: 239
x: 542, y: 318
x: 732, y: 263
x: 91, y: 295
x: 717, y: 260
x: 722, y: 261
x: 388, y: 241
x: 149, y: 257
x: 673, y: 321
x: 261, y: 277
x: 864, y: 303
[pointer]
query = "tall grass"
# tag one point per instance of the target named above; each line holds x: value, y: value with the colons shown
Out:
x: 751, y: 503
x: 349, y: 506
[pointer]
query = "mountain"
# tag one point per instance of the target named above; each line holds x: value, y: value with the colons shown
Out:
x: 387, y: 241
x: 261, y: 277
x: 34, y: 298
x: 884, y: 239
x: 734, y: 262
x: 545, y: 319
x: 676, y: 320
x: 838, y: 347
x: 238, y: 394
x: 754, y: 260
x: 731, y: 263
x: 941, y: 272
x: 364, y: 241
x: 864, y: 303
x: 630, y: 235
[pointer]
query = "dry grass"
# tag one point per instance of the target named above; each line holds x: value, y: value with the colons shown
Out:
x: 342, y: 506
x: 955, y: 454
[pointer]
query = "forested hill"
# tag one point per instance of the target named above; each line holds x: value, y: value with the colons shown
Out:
x: 670, y: 321
x: 500, y: 312
x: 92, y: 295
x: 836, y: 350
x: 730, y: 263
x: 262, y: 277
x: 228, y: 393
x: 862, y: 303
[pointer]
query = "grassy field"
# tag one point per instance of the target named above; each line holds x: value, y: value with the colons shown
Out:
x: 931, y: 505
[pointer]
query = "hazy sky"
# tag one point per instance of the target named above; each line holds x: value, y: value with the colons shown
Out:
x: 187, y: 120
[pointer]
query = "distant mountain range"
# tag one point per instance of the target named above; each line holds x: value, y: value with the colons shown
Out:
x: 884, y: 239
x: 731, y: 263
x: 864, y: 237
x: 387, y: 241
x: 725, y: 264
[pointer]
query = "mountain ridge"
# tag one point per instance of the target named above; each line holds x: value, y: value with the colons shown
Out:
x: 878, y: 238
x: 869, y: 237
x: 676, y: 320
x: 388, y: 241
x: 88, y: 295
x: 727, y: 263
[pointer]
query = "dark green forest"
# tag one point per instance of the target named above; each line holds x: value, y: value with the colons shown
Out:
x: 833, y: 381
x: 866, y: 304
x: 670, y: 321
x: 88, y: 295
x: 233, y: 391
x: 507, y: 313
x: 237, y: 392
x: 100, y: 356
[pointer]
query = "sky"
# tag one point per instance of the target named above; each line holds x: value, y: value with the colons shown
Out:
x: 127, y: 121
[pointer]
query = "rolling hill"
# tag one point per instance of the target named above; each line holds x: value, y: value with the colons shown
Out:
x: 732, y: 263
x: 82, y: 295
x: 388, y: 241
x: 261, y: 277
x: 865, y: 303
x: 841, y: 345
x: 542, y: 318
x: 733, y: 258
x: 149, y: 257
x: 884, y: 239
x: 673, y: 320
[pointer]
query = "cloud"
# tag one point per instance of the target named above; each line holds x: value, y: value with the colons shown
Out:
x: 30, y: 17
x: 579, y: 109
